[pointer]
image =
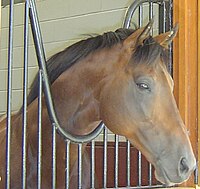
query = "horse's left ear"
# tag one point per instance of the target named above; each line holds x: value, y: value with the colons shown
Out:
x: 137, y: 37
x: 165, y: 39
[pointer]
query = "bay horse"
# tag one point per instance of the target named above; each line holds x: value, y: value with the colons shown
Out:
x: 119, y: 78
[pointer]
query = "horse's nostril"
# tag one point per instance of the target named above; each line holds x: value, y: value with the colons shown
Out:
x: 183, y: 169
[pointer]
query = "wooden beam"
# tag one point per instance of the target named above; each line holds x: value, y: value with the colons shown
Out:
x: 185, y: 64
x: 198, y: 88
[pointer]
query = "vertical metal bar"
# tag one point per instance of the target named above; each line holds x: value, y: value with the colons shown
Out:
x: 93, y: 164
x: 9, y: 95
x: 170, y: 14
x: 39, y: 163
x: 150, y: 174
x: 150, y: 166
x: 25, y: 92
x: 139, y: 168
x: 53, y: 157
x: 167, y: 15
x: 79, y: 166
x: 151, y: 13
x: 196, y: 175
x: 140, y: 22
x: 170, y: 21
x: 116, y: 159
x: 105, y: 158
x: 160, y: 16
x: 164, y: 16
x: 67, y: 164
x: 140, y: 18
x: 128, y: 164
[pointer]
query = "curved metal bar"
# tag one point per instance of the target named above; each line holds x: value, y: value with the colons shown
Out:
x: 131, y: 9
x: 47, y: 92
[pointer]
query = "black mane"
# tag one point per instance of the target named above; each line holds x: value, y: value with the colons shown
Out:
x: 63, y: 60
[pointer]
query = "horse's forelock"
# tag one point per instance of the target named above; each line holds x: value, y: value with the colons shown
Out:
x: 149, y: 51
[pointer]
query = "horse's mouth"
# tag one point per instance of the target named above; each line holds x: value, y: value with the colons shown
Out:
x: 164, y: 178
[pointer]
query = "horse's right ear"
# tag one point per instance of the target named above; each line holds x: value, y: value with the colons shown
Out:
x: 165, y: 39
x: 137, y: 37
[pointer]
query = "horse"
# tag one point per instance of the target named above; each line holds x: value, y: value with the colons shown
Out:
x: 120, y: 78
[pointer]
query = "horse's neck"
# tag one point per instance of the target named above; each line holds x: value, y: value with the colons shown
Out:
x: 76, y: 93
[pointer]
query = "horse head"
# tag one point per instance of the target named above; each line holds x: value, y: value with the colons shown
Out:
x: 137, y: 102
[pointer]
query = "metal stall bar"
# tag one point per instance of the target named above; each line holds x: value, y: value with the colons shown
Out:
x: 80, y: 166
x: 140, y: 18
x: 149, y: 164
x: 25, y: 94
x: 151, y: 13
x: 140, y: 21
x: 39, y: 160
x: 116, y: 159
x: 139, y: 168
x: 53, y: 157
x: 164, y: 17
x: 67, y: 164
x: 170, y: 21
x: 9, y: 95
x: 150, y: 174
x: 105, y: 140
x: 92, y: 185
x: 128, y: 164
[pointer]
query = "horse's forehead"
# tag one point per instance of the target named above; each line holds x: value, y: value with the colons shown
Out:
x: 166, y: 76
x: 157, y: 71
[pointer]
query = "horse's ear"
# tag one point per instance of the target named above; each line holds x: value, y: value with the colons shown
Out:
x: 166, y: 38
x: 137, y: 37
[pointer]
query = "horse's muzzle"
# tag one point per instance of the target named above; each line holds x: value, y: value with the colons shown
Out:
x: 178, y: 175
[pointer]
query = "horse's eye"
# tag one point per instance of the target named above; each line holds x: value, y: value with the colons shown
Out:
x: 143, y: 86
